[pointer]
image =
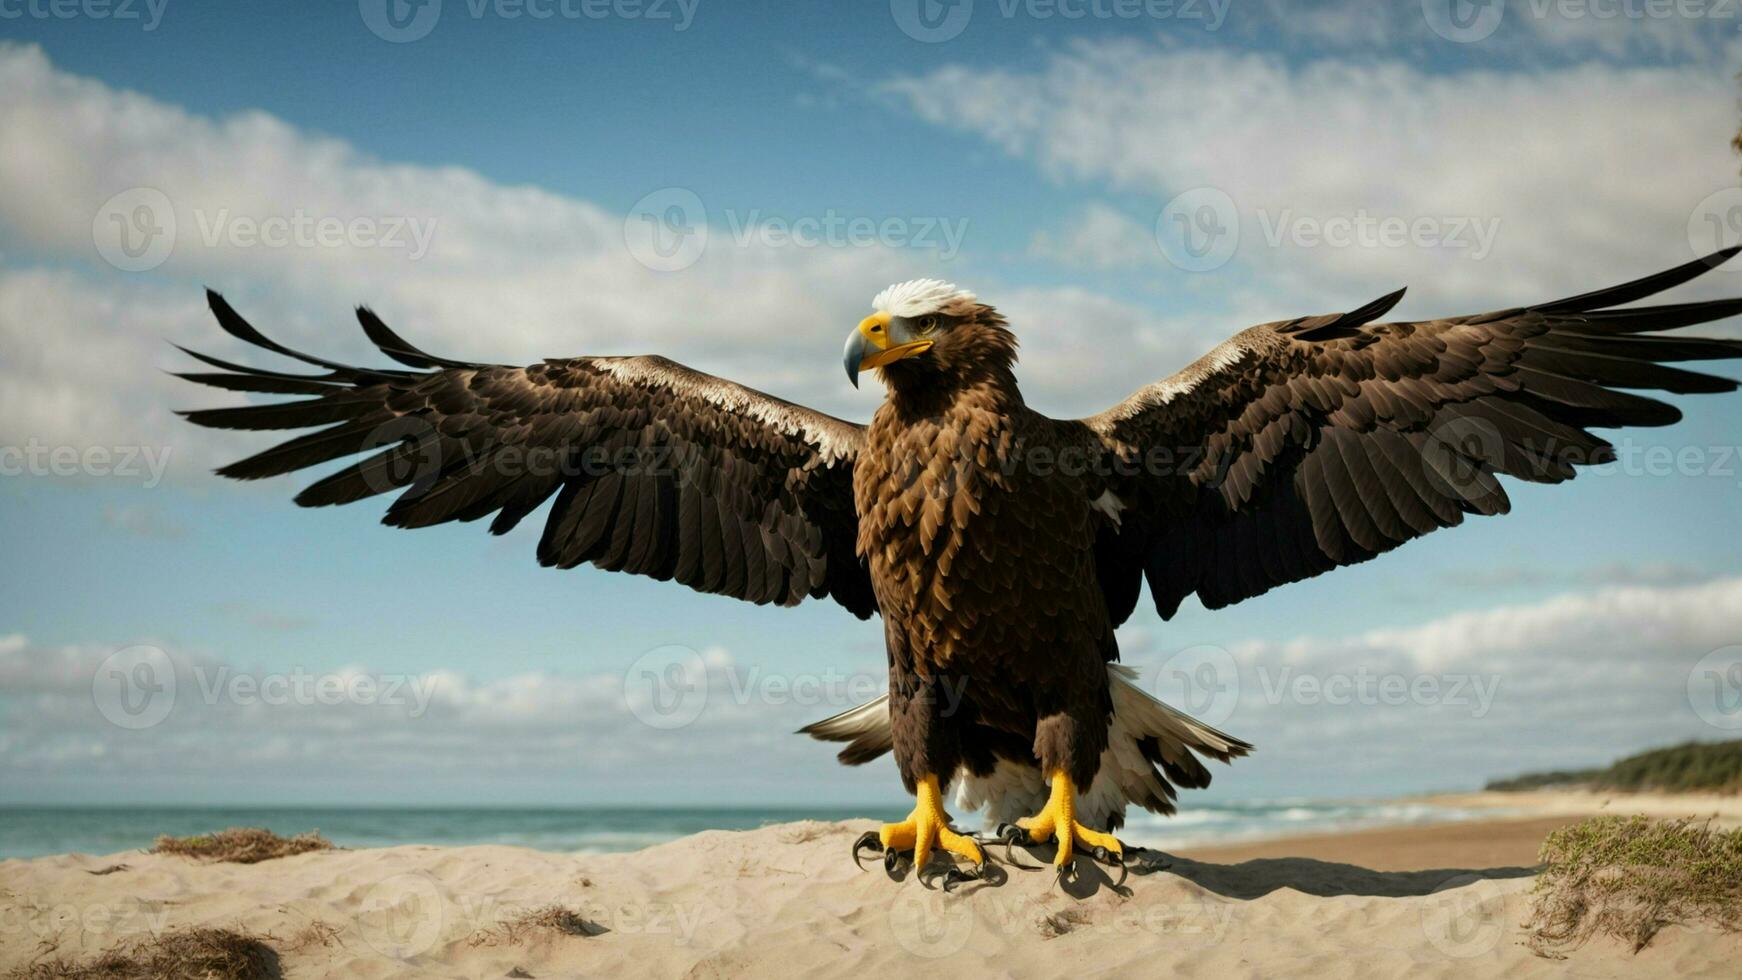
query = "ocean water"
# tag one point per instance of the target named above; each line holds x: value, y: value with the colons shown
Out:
x: 33, y: 831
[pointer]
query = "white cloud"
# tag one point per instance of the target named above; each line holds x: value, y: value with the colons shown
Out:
x: 1098, y: 236
x: 511, y: 274
x: 1574, y: 679
x: 70, y: 714
x: 1586, y: 173
x: 1580, y: 678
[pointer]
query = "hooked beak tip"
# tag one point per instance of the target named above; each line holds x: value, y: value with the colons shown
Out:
x: 854, y: 356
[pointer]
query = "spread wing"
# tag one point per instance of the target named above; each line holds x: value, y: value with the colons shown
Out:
x: 655, y: 469
x: 1303, y: 445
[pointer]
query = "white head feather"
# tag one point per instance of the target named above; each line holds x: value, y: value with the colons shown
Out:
x: 917, y: 297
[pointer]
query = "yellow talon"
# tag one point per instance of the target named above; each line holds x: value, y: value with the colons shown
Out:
x: 1061, y: 811
x: 928, y: 827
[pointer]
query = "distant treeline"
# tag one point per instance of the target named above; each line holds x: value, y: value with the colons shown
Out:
x: 1712, y: 767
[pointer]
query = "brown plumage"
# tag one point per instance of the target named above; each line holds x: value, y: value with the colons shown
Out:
x: 1001, y: 547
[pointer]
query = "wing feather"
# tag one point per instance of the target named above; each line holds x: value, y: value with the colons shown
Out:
x: 1326, y: 441
x: 654, y: 468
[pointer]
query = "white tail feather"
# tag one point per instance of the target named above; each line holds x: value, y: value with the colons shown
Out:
x: 1128, y: 773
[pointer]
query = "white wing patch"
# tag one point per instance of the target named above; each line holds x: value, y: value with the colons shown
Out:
x: 1109, y: 503
x: 917, y: 297
x: 834, y: 438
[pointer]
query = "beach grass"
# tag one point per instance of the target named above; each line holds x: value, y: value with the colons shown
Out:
x: 207, y: 954
x: 1628, y: 877
x: 548, y: 920
x: 241, y: 845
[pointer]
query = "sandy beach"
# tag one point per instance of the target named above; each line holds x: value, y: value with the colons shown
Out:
x: 1438, y: 900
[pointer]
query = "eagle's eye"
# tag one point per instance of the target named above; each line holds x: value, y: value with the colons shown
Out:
x: 928, y: 325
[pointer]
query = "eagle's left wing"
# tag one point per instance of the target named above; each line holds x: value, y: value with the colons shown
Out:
x: 656, y: 469
x: 1302, y: 445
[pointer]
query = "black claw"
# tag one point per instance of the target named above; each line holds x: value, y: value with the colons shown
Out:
x: 1013, y: 836
x: 868, y: 840
x: 956, y: 876
x: 1067, y: 874
x: 891, y: 861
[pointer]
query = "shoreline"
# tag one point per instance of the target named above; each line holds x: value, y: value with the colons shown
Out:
x: 1441, y: 899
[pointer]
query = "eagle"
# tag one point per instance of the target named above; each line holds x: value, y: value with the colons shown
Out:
x: 1000, y: 547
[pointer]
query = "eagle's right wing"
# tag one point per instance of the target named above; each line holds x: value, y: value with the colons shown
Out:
x: 656, y: 469
x: 1303, y: 445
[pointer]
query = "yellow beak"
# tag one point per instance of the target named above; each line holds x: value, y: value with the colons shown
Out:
x: 873, y: 345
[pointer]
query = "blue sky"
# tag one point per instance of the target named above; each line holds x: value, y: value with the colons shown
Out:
x: 1592, y: 149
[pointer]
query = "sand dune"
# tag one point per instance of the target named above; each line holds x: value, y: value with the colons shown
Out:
x: 786, y: 900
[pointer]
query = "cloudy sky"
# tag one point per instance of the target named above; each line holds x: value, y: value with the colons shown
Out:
x: 505, y: 180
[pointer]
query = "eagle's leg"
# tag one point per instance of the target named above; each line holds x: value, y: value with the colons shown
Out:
x: 928, y: 828
x: 1058, y: 820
